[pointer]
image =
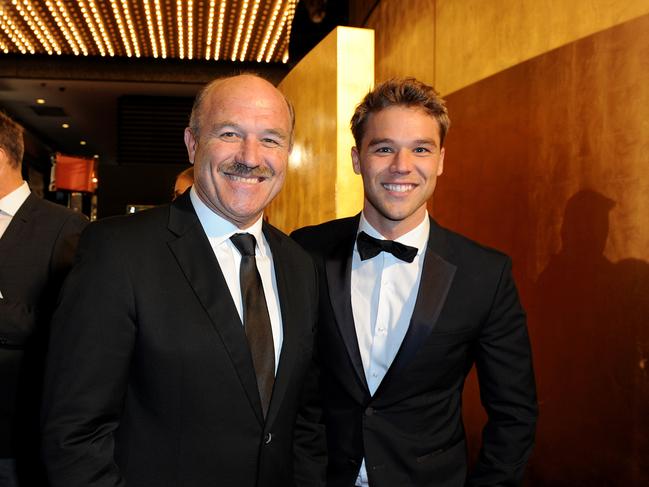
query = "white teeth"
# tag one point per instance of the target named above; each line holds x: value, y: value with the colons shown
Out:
x: 399, y: 188
x: 244, y: 180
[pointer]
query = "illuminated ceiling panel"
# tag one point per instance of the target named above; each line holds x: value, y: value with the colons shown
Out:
x: 233, y: 30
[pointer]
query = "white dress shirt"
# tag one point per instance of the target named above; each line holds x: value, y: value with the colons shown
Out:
x: 10, y: 204
x: 384, y: 290
x: 218, y: 231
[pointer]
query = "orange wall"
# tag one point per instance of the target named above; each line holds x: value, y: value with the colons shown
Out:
x: 454, y: 43
x: 548, y: 161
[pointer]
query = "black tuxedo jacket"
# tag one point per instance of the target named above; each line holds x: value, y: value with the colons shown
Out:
x: 149, y: 377
x: 36, y: 251
x: 410, y: 431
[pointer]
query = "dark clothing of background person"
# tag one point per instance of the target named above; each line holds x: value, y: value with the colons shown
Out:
x: 36, y: 252
x: 410, y: 432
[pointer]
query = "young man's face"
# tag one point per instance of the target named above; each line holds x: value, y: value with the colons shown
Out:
x: 399, y: 159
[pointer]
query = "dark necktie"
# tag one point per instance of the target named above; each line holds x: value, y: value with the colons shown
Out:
x: 256, y: 320
x: 369, y: 247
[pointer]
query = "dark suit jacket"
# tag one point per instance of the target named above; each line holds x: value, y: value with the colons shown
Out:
x: 36, y: 251
x: 410, y: 431
x: 149, y: 377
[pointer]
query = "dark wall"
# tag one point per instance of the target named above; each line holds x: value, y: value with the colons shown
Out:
x: 139, y: 184
x: 548, y: 161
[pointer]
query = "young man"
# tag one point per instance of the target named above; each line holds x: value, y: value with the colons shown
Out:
x: 181, y: 350
x: 406, y: 309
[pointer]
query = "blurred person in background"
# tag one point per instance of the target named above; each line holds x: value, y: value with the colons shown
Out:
x: 184, y: 181
x: 37, y: 245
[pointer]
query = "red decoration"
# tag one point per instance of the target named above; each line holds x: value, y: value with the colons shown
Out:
x: 75, y: 173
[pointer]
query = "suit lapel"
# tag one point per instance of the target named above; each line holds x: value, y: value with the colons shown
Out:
x: 338, y: 266
x: 436, y: 278
x: 200, y: 266
x: 290, y: 323
x: 18, y: 223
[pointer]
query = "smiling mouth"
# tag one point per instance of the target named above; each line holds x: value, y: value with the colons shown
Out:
x: 244, y: 179
x: 399, y: 188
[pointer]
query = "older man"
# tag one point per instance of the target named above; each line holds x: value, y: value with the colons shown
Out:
x: 182, y: 348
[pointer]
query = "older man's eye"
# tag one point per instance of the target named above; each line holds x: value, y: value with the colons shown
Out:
x: 228, y: 135
x: 270, y: 141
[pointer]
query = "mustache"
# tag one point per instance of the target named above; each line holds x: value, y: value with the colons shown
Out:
x: 235, y: 168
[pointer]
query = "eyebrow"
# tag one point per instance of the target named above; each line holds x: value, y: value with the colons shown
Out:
x: 386, y: 140
x: 230, y: 124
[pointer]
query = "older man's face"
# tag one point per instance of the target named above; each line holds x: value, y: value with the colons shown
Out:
x: 241, y: 152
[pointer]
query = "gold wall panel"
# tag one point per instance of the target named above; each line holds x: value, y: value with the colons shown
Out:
x: 548, y: 161
x: 324, y: 87
x: 355, y: 79
x: 453, y: 43
x: 405, y: 39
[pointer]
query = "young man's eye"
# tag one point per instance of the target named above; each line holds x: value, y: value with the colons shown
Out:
x: 421, y: 150
x: 384, y: 150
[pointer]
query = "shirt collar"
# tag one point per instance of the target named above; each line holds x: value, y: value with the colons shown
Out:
x: 11, y: 203
x: 218, y: 229
x: 417, y: 237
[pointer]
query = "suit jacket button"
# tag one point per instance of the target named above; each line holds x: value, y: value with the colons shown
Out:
x: 369, y: 411
x: 268, y: 438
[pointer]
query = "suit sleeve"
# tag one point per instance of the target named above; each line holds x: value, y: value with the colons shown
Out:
x: 91, y: 342
x: 507, y: 390
x: 310, y: 444
x: 65, y: 245
x: 62, y: 258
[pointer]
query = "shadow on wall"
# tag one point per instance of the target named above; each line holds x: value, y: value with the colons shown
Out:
x: 589, y: 319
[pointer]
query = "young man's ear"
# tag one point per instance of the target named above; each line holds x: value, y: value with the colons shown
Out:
x: 440, y: 168
x: 356, y: 160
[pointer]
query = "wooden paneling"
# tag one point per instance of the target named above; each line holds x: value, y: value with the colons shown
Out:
x: 548, y: 161
x: 453, y: 43
x: 405, y: 39
x: 324, y: 87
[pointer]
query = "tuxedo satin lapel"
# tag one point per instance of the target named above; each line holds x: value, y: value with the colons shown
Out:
x: 290, y: 325
x: 436, y: 279
x: 198, y: 262
x: 338, y: 267
x: 11, y: 237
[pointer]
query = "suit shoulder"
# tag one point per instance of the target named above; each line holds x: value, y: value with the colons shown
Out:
x: 291, y: 246
x: 58, y: 212
x: 52, y: 221
x: 319, y: 238
x: 127, y: 228
x: 470, y: 250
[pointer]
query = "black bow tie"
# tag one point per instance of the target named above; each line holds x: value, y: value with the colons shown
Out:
x: 369, y: 247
